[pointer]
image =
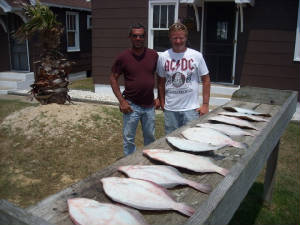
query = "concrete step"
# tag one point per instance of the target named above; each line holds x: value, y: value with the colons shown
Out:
x: 10, y: 83
x: 17, y: 75
x: 16, y: 80
x: 4, y: 90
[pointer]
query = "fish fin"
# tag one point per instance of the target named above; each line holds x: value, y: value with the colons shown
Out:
x: 135, y: 213
x: 254, y: 128
x: 249, y: 134
x: 222, y: 171
x: 206, y: 188
x: 184, y: 209
x: 239, y: 145
x: 123, y: 170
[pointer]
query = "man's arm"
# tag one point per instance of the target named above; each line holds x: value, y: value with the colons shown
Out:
x: 161, y: 81
x: 205, y: 95
x: 124, y: 105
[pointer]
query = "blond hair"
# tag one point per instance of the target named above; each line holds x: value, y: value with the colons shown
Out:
x: 178, y: 27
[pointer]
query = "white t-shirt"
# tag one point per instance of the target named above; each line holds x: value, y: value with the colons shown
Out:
x: 182, y: 72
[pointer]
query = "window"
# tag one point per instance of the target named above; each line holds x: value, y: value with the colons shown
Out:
x: 72, y: 30
x: 162, y: 14
x: 297, y: 41
x: 222, y: 30
x: 89, y: 21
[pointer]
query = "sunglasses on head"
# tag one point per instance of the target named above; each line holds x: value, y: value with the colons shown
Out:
x: 137, y: 35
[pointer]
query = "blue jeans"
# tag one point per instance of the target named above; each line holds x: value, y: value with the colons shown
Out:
x: 130, y: 123
x: 176, y: 119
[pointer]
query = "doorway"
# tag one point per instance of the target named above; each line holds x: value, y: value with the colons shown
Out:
x: 19, y: 54
x: 219, y: 40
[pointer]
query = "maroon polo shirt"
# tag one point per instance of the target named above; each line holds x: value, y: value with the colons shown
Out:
x: 138, y: 72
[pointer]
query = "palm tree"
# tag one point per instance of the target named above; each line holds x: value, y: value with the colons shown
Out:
x: 51, y: 71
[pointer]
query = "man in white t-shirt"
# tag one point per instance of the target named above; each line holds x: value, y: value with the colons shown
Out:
x: 180, y: 70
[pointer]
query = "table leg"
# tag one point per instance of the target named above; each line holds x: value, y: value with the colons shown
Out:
x: 270, y: 176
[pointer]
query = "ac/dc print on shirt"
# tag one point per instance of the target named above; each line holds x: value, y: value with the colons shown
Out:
x: 182, y: 72
x: 179, y: 80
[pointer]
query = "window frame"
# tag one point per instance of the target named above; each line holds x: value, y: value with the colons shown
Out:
x: 151, y: 30
x: 88, y: 22
x: 297, y: 40
x: 76, y: 48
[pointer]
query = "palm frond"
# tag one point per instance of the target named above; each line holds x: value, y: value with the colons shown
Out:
x: 40, y: 19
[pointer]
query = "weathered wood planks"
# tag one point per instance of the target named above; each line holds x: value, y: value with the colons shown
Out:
x: 13, y: 215
x: 219, y: 206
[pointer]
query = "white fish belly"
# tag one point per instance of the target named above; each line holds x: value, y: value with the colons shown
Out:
x: 243, y: 116
x: 140, y: 194
x: 165, y: 176
x: 184, y: 160
x: 90, y: 212
x: 192, y: 146
x: 206, y: 135
x: 226, y: 129
x: 245, y: 111
x: 233, y: 121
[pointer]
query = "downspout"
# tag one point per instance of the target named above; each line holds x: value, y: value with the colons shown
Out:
x: 241, y: 16
x: 202, y: 27
x: 3, y: 25
x: 197, y: 17
x: 235, y: 45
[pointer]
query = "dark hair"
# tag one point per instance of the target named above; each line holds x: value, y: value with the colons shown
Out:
x: 136, y: 26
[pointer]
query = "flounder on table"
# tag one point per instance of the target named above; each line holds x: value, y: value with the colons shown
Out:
x: 226, y: 129
x: 191, y: 146
x: 233, y: 121
x: 245, y: 111
x: 142, y: 194
x: 244, y: 116
x: 165, y: 176
x: 185, y: 160
x: 84, y: 211
x: 210, y: 136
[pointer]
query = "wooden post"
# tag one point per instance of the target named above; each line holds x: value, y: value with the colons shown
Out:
x: 270, y: 176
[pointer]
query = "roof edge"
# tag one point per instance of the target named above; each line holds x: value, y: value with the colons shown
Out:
x: 66, y: 6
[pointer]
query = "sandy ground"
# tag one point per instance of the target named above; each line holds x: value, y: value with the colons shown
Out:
x: 55, y: 119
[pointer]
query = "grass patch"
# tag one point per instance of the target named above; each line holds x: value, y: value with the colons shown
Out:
x: 86, y: 84
x: 9, y: 106
x: 285, y: 202
x: 36, y: 167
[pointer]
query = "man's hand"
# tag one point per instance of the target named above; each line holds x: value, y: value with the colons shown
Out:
x: 203, y: 109
x: 156, y: 103
x: 125, y: 107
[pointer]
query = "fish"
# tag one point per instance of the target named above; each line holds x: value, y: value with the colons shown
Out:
x: 142, y: 194
x: 210, y: 136
x: 84, y: 211
x: 244, y: 116
x: 165, y: 176
x: 191, y: 146
x: 245, y: 111
x: 185, y: 160
x: 226, y: 129
x: 233, y: 121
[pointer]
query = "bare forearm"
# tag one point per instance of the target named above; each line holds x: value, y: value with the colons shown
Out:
x: 161, y: 90
x: 116, y: 88
x: 205, y: 89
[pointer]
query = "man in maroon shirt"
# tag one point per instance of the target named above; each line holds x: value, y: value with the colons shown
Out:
x: 137, y: 65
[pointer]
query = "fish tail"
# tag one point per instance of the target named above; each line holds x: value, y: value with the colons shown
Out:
x: 222, y: 171
x: 206, y: 188
x: 184, y: 209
